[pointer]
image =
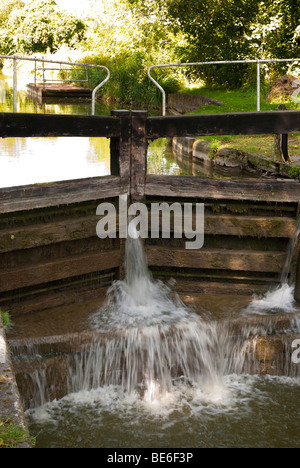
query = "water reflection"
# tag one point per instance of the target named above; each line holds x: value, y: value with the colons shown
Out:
x: 37, y: 160
x: 41, y: 160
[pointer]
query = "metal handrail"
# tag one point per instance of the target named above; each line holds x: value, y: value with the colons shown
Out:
x: 217, y: 62
x: 15, y: 58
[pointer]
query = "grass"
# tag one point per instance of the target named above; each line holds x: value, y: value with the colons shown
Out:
x: 258, y: 144
x: 244, y: 100
x: 237, y: 100
x: 11, y: 434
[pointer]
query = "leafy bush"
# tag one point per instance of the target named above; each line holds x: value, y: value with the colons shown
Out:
x: 40, y: 26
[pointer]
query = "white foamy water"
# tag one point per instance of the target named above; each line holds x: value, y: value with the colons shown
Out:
x: 250, y: 412
x: 155, y: 337
x: 279, y: 300
x: 157, y: 373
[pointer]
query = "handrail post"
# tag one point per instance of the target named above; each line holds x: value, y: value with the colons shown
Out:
x: 160, y: 88
x: 35, y: 66
x: 258, y: 86
x: 43, y: 67
x: 98, y: 87
x: 15, y: 85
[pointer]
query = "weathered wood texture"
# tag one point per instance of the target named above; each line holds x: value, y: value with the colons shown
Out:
x: 120, y: 149
x: 138, y: 155
x: 73, y: 265
x: 195, y: 187
x: 45, y: 250
x: 35, y: 125
x: 253, y: 226
x: 220, y: 259
x: 30, y: 197
x: 243, y: 123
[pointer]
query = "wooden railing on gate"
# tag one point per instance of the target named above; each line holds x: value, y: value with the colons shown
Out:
x: 48, y: 231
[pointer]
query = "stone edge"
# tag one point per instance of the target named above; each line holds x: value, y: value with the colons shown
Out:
x: 10, y: 399
x: 227, y: 157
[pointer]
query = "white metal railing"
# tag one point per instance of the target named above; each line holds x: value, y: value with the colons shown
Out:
x: 36, y: 60
x: 218, y: 62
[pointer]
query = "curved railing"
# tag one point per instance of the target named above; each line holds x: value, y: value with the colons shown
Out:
x: 43, y: 61
x: 217, y: 62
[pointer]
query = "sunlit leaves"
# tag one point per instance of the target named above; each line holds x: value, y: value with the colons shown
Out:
x: 39, y: 26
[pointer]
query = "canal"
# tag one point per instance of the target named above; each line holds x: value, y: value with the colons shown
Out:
x: 162, y: 369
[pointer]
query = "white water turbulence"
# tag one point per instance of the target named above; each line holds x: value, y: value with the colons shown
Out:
x: 281, y: 299
x: 153, y: 342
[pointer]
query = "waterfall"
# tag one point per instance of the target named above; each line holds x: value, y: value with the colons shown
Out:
x: 155, y: 341
x: 282, y: 298
x: 148, y: 343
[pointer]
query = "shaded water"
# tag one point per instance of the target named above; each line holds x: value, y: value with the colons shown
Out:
x: 161, y: 374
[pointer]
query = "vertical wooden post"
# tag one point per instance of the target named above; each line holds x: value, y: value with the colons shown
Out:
x: 120, y: 150
x: 139, y: 147
x: 120, y: 165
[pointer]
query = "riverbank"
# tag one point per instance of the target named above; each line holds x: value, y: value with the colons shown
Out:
x: 231, y: 161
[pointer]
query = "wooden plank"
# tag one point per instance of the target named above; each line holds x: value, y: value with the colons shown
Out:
x: 25, y: 237
x: 253, y: 226
x: 233, y: 225
x: 46, y: 125
x: 242, y: 123
x: 201, y: 188
x: 219, y: 259
x: 41, y: 234
x: 34, y: 196
x: 67, y: 267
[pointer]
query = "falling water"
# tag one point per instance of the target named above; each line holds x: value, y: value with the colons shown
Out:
x: 155, y: 342
x: 157, y: 372
x: 282, y: 298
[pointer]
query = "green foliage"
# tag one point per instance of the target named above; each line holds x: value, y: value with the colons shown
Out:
x: 39, y: 26
x: 128, y: 38
x: 6, y: 320
x: 11, y: 434
x: 236, y: 30
x: 216, y: 31
x: 294, y: 172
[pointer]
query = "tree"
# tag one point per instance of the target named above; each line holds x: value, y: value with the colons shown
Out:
x: 276, y: 30
x: 236, y: 30
x: 39, y: 26
x: 216, y: 30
